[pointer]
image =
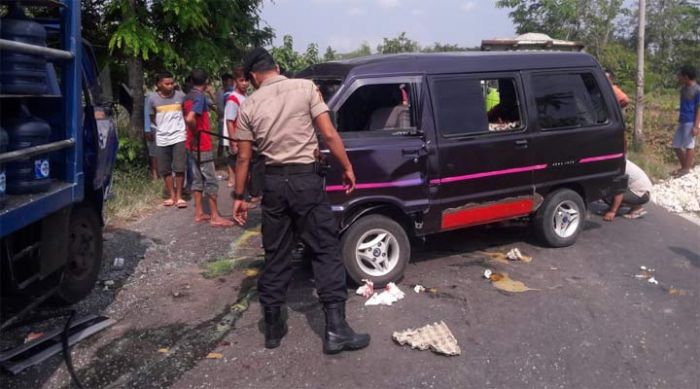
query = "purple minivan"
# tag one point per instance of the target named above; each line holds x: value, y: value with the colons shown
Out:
x: 446, y: 141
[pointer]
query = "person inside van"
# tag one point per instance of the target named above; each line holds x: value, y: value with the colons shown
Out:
x: 505, y: 115
x: 636, y: 195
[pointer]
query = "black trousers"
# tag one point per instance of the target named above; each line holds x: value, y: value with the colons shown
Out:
x: 296, y: 206
x: 256, y: 178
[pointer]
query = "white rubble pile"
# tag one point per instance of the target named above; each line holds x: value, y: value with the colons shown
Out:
x: 679, y: 195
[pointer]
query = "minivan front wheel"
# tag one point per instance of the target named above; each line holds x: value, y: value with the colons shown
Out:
x: 375, y: 248
x: 560, y: 218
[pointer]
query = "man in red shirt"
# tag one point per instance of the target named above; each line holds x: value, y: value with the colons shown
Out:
x: 200, y: 147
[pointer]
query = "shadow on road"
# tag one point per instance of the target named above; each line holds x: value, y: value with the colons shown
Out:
x: 694, y: 258
x: 127, y: 244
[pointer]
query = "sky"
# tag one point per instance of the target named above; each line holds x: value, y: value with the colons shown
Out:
x: 346, y: 24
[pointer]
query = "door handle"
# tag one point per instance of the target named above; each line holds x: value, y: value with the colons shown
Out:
x: 410, y: 152
x: 521, y: 144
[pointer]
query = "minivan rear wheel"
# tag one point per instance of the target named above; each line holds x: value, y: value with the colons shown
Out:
x: 560, y: 218
x: 375, y: 248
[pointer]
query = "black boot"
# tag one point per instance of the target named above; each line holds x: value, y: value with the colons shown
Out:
x: 275, y: 326
x: 339, y: 336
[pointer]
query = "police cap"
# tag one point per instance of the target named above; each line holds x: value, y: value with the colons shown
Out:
x: 257, y: 60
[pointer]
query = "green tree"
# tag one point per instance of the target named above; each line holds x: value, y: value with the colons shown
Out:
x: 363, y: 51
x: 400, y: 44
x: 147, y: 36
x: 589, y: 21
x: 446, y: 47
x: 291, y: 61
x: 673, y: 37
x: 330, y: 54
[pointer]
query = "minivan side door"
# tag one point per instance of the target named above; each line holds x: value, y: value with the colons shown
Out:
x: 581, y: 131
x: 377, y: 118
x: 485, y: 159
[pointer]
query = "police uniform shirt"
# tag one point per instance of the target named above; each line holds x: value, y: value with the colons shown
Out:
x: 278, y: 117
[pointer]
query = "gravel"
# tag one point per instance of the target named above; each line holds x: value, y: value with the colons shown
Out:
x: 679, y: 195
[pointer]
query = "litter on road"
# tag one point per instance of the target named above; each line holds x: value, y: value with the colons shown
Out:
x: 118, y: 263
x: 366, y: 290
x: 215, y: 356
x: 389, y: 296
x: 419, y: 288
x: 33, y: 336
x: 516, y: 255
x: 513, y: 255
x: 436, y: 337
x: 503, y: 282
x: 647, y: 274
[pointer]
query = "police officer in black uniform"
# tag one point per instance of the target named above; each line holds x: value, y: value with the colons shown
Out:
x: 280, y: 117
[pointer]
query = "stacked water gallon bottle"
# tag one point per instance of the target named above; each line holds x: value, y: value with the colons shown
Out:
x: 23, y: 77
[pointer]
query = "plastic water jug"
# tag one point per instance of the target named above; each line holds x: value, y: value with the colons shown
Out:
x: 22, y: 73
x: 28, y: 175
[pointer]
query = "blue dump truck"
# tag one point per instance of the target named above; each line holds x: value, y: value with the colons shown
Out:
x: 58, y: 146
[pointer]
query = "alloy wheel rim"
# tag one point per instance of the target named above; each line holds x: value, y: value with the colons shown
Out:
x: 566, y: 219
x: 377, y: 252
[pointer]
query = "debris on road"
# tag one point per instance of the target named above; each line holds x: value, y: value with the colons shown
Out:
x: 250, y: 272
x: 107, y: 284
x: 163, y: 350
x: 513, y: 255
x: 516, y: 255
x: 366, y: 290
x: 676, y: 292
x: 390, y: 295
x: 647, y: 274
x: 419, y: 288
x: 118, y: 263
x: 437, y: 337
x: 679, y: 195
x: 503, y: 282
x: 215, y: 356
x: 32, y: 336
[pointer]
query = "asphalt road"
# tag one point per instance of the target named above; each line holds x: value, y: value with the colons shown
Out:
x: 589, y: 323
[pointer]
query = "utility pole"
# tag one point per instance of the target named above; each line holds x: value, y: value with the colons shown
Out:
x: 639, y: 111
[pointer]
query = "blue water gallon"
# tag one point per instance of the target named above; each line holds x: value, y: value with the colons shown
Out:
x: 22, y: 74
x: 28, y: 175
x: 4, y: 142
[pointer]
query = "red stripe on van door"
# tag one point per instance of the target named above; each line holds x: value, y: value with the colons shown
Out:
x: 486, y: 214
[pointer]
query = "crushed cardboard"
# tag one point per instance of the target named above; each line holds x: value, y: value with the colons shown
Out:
x: 437, y: 337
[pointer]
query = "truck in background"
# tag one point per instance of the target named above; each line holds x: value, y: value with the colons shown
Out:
x: 57, y: 160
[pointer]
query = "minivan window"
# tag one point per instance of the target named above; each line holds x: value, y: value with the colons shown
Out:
x: 476, y: 105
x: 378, y: 107
x: 568, y: 100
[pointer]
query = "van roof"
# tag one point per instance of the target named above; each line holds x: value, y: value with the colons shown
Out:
x: 441, y: 63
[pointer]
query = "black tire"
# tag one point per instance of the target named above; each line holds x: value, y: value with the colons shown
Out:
x: 365, y: 229
x: 564, y: 204
x: 84, y: 256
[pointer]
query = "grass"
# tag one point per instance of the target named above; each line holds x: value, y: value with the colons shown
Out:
x: 656, y: 158
x: 225, y: 266
x: 133, y: 192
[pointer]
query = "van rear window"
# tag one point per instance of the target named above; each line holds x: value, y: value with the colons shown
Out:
x: 568, y: 100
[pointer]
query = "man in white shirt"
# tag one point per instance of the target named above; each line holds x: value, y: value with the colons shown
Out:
x: 637, y: 194
x: 165, y: 110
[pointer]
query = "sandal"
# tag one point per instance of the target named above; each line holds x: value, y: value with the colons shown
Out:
x: 168, y: 203
x: 181, y: 204
x: 635, y: 214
